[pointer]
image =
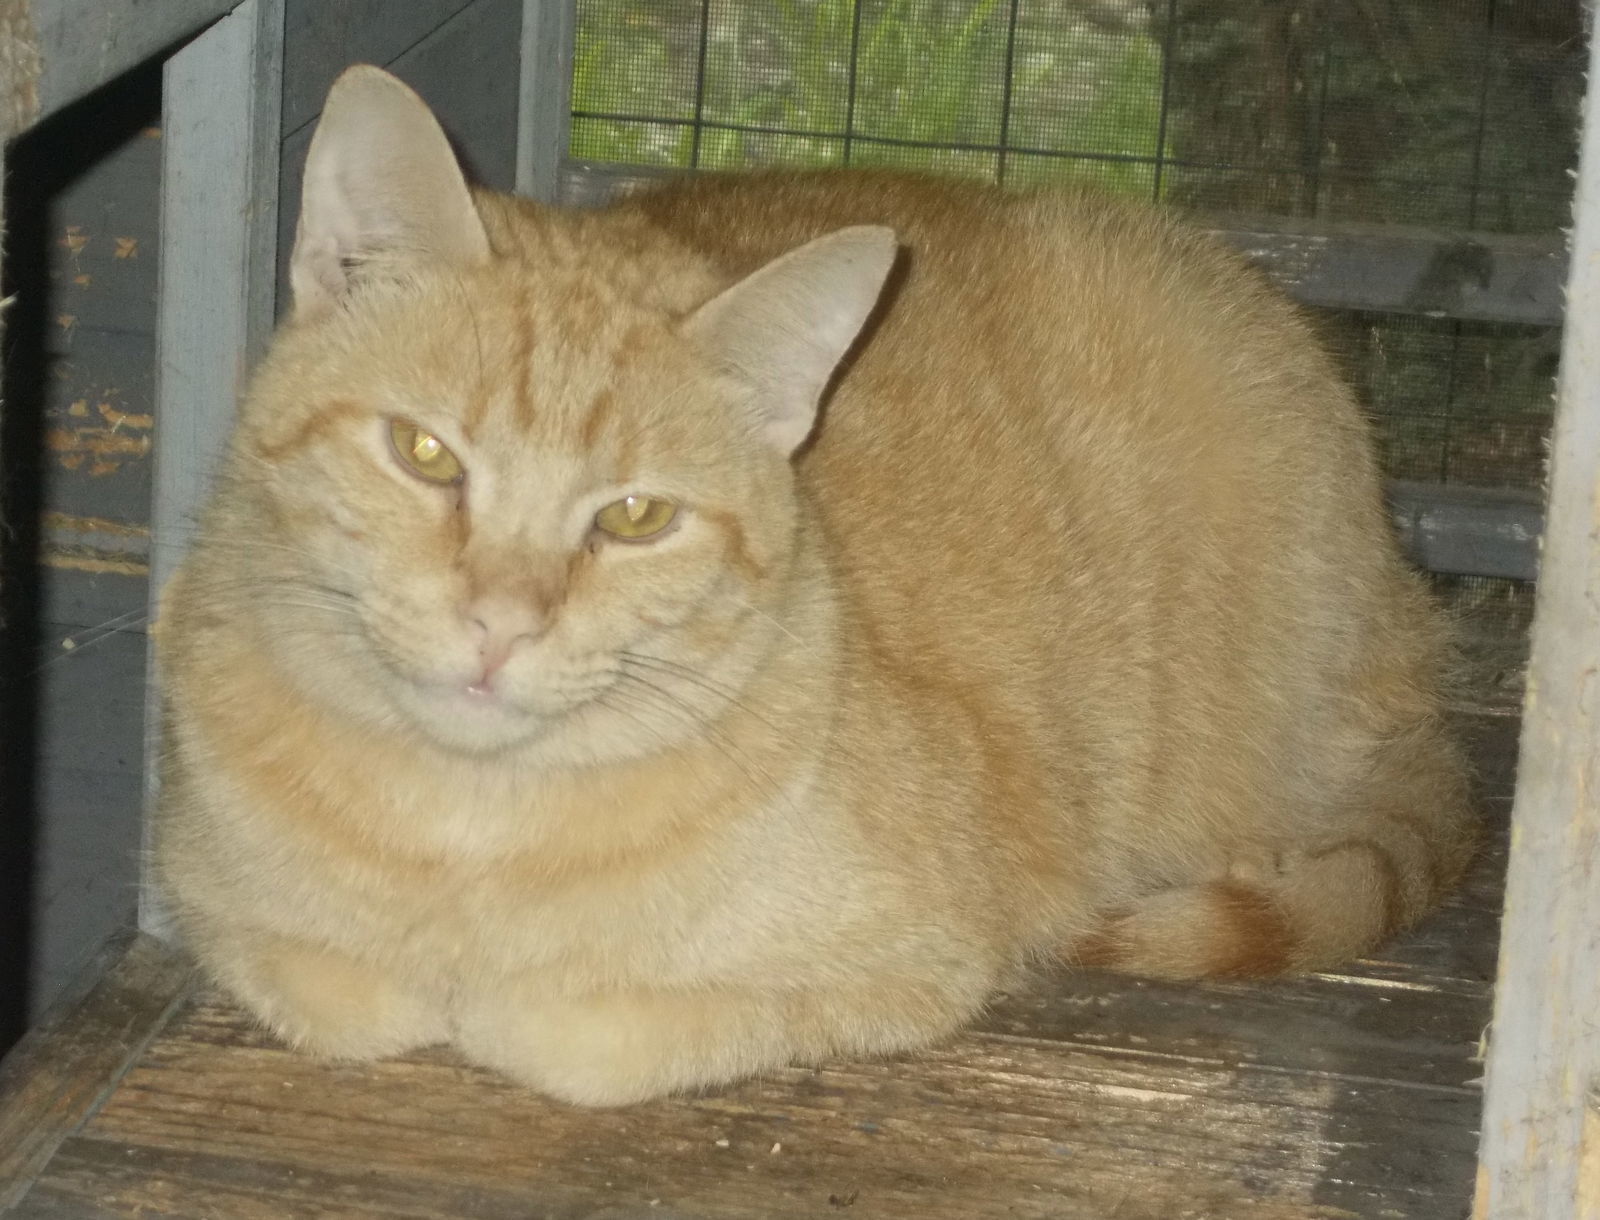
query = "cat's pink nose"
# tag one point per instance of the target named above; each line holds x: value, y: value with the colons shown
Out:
x: 500, y: 627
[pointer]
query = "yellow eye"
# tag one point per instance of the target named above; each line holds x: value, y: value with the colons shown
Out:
x: 636, y: 517
x: 423, y: 453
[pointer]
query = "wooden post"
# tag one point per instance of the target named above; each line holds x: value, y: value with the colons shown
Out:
x: 222, y: 101
x: 1544, y: 1059
x: 545, y: 103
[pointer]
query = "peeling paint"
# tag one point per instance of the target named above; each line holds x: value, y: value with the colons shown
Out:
x: 73, y: 523
x: 124, y: 419
x: 105, y: 448
x: 88, y: 561
x: 96, y: 435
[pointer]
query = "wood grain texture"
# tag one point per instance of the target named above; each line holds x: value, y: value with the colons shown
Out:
x: 1545, y: 1056
x: 76, y: 1054
x: 62, y: 49
x: 1088, y: 1097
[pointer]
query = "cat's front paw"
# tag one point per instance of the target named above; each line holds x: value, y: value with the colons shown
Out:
x: 618, y: 1048
x: 334, y: 1007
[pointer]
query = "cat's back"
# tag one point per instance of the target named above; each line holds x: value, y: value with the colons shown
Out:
x: 1038, y: 325
x: 1060, y: 374
x: 1086, y: 449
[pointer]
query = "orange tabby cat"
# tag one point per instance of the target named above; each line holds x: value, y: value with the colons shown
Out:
x: 744, y: 625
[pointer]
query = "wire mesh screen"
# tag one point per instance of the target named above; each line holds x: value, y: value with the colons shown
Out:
x: 1450, y: 114
x: 1436, y: 112
x: 1453, y: 402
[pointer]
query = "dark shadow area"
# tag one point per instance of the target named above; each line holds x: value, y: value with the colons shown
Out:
x: 39, y: 166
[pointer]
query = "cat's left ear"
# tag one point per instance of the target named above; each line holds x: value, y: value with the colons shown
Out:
x: 785, y: 328
x: 382, y: 188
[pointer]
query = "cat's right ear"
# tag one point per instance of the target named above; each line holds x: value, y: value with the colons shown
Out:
x: 382, y: 188
x: 785, y: 329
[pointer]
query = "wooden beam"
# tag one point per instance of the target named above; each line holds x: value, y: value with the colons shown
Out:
x: 219, y: 189
x: 1544, y: 1056
x: 1589, y: 1160
x: 1468, y: 531
x: 548, y: 29
x: 74, y: 1058
x: 1437, y: 273
x: 53, y: 53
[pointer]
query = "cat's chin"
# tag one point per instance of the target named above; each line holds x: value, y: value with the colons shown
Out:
x: 470, y: 721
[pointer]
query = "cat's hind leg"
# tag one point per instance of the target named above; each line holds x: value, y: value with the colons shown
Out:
x: 1384, y: 857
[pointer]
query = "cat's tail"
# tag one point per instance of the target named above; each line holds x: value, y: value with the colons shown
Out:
x: 1398, y: 849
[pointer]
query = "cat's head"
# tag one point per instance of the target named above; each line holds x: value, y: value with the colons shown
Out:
x: 506, y: 470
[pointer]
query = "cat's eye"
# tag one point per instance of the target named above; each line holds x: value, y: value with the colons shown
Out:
x: 423, y: 453
x: 635, y: 517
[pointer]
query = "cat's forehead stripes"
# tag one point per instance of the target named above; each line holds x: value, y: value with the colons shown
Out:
x: 737, y: 545
x: 601, y: 409
x: 525, y: 334
x: 314, y: 427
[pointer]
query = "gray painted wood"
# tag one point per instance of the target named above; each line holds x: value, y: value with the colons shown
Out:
x: 223, y: 96
x: 1484, y: 277
x: 59, y: 50
x: 327, y: 36
x: 1468, y: 531
x: 1473, y: 277
x: 88, y: 236
x: 1544, y: 1054
x: 545, y: 105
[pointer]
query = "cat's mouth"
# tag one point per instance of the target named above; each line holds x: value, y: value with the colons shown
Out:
x: 483, y: 715
x: 473, y: 718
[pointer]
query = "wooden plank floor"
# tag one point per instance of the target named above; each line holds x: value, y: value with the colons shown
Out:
x: 1349, y: 1094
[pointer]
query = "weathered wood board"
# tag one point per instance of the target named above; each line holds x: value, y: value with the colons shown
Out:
x: 84, y: 203
x: 65, y: 1067
x: 1091, y: 1097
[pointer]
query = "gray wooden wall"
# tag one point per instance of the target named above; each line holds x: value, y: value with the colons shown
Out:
x: 84, y: 196
x: 96, y: 233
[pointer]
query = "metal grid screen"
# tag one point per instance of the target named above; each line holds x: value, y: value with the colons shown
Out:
x: 1448, y: 114
x: 1458, y: 113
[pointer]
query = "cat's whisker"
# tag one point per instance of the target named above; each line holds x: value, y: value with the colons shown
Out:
x: 612, y: 700
x: 687, y: 674
x: 686, y: 713
x: 752, y: 770
x: 760, y: 613
x: 75, y: 643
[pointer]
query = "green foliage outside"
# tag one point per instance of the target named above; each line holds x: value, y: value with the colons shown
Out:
x: 777, y: 87
x: 1408, y: 111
